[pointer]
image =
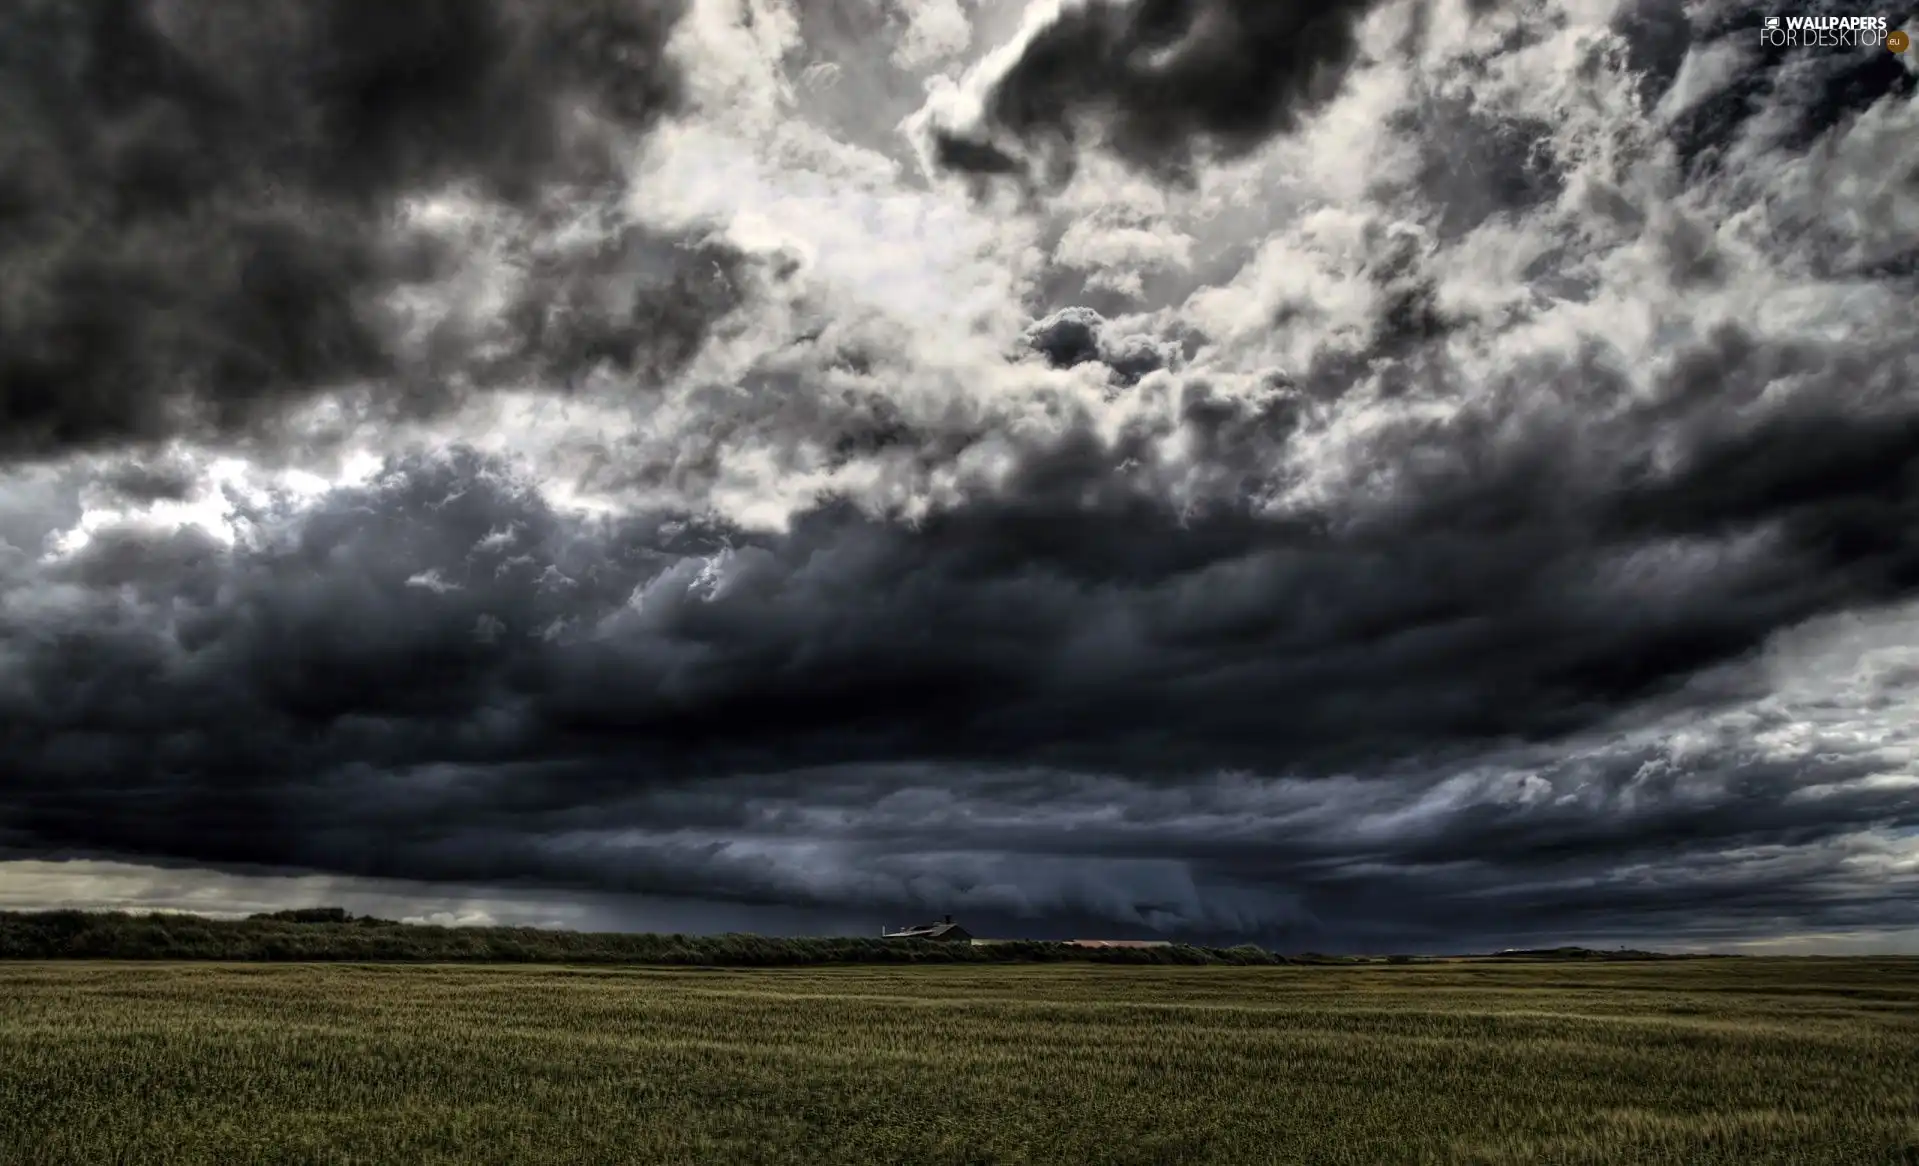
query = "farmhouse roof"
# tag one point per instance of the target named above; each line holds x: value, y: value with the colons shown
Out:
x: 940, y: 930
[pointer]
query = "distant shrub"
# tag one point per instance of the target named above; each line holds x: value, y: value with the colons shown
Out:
x: 306, y: 915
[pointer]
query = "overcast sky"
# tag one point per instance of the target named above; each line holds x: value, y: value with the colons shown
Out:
x: 1398, y: 475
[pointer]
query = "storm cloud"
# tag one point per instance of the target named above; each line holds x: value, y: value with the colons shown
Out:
x: 1480, y: 508
x: 206, y: 210
x: 1158, y: 80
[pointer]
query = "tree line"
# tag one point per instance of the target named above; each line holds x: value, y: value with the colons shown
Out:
x: 333, y: 934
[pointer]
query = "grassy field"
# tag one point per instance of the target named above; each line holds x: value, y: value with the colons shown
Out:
x: 1746, y: 1061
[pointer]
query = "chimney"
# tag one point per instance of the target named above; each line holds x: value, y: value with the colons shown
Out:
x: 949, y: 918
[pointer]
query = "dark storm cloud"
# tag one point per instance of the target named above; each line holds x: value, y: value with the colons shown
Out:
x: 1074, y: 336
x: 437, y: 676
x: 1657, y: 35
x: 198, y: 200
x: 159, y: 479
x: 1160, y: 82
x: 973, y: 157
x: 1068, y: 337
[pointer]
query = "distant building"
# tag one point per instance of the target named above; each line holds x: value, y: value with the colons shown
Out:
x: 1119, y: 943
x: 946, y: 930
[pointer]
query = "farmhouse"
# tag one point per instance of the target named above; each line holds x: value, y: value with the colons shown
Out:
x: 946, y: 930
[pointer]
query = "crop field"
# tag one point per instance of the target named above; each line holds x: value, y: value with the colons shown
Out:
x: 1735, y: 1061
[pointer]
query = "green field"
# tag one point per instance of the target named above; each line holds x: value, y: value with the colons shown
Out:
x: 1736, y: 1061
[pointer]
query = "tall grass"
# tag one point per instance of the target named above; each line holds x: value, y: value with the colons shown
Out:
x: 1749, y: 1061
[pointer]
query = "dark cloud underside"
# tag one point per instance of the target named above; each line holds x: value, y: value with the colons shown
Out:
x: 450, y: 619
